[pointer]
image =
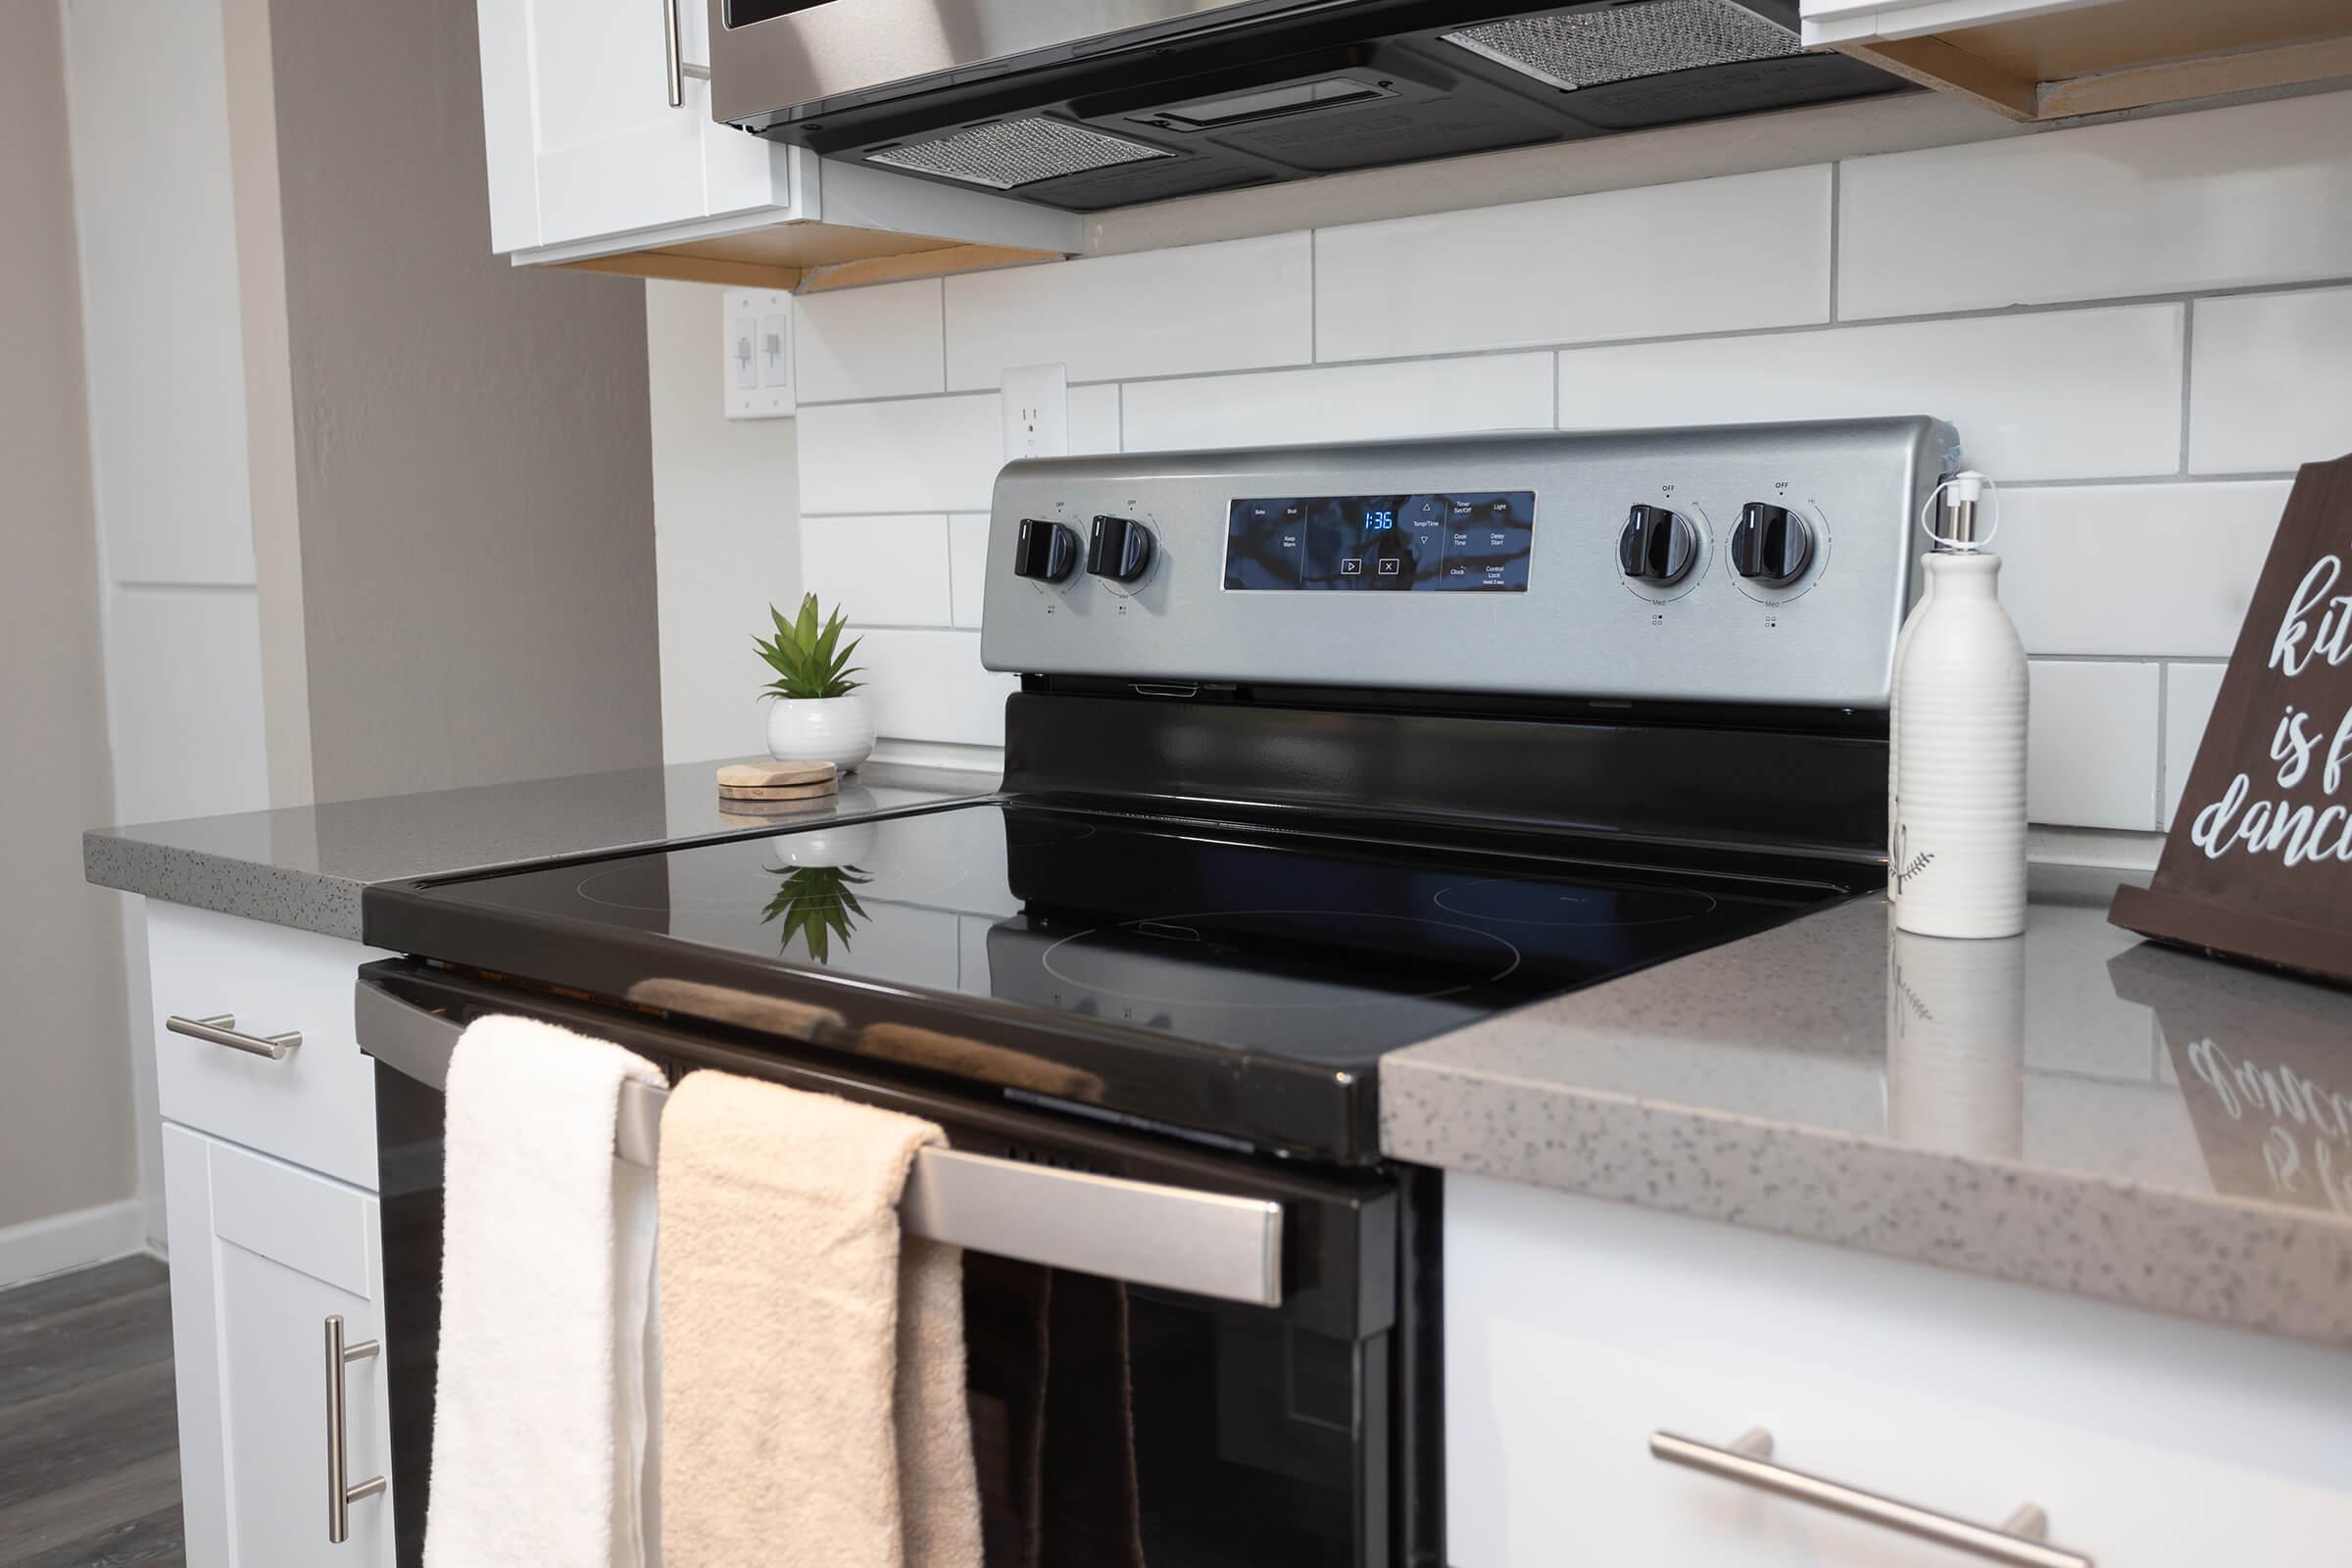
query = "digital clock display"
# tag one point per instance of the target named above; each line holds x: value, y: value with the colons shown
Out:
x: 1464, y: 542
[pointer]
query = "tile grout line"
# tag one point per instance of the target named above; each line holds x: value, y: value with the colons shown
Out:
x: 2164, y: 704
x: 2189, y: 345
x: 1836, y: 210
x: 2114, y: 301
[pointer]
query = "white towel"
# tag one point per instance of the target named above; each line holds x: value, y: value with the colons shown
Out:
x: 541, y: 1420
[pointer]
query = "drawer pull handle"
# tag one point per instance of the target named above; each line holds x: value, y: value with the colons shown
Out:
x: 222, y: 1030
x: 340, y: 1497
x: 2019, y: 1541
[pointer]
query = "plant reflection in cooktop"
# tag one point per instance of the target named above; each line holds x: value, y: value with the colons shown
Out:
x: 816, y: 905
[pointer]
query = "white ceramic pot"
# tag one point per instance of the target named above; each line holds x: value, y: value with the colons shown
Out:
x: 822, y: 729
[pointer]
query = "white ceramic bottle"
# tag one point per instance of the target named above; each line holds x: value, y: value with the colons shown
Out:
x: 1957, y: 856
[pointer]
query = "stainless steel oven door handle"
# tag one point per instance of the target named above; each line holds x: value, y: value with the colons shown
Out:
x: 2018, y: 1540
x: 222, y: 1030
x: 1145, y: 1233
x: 339, y: 1494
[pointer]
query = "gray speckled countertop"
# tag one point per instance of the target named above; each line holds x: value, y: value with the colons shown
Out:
x: 2073, y: 1107
x: 304, y: 866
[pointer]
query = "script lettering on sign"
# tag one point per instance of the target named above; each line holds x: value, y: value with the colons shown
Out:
x: 2259, y: 865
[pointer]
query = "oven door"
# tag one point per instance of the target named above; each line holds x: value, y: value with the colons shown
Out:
x: 1175, y: 1358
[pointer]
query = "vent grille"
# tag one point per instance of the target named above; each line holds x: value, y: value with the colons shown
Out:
x: 1017, y: 152
x: 1584, y: 49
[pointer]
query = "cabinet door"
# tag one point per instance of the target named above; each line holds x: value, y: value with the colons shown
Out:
x: 262, y: 1255
x: 582, y: 139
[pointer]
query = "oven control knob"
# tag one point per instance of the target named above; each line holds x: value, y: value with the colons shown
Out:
x: 1771, y: 545
x: 1043, y: 550
x: 1657, y: 545
x: 1120, y: 549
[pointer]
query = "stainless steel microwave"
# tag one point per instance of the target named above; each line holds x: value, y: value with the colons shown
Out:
x: 1089, y: 104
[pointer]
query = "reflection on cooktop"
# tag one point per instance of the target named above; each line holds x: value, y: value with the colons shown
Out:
x: 1281, y: 958
x: 1318, y: 947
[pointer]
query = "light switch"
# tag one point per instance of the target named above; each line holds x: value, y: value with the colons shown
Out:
x: 740, y: 352
x: 775, y: 350
x: 756, y: 330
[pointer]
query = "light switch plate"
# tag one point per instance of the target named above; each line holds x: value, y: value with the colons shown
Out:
x: 1036, y: 400
x: 756, y: 354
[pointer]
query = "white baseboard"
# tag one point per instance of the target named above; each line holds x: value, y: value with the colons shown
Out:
x: 72, y: 1241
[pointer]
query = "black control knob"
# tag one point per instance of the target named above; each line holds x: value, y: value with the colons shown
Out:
x: 1657, y: 545
x: 1120, y: 549
x: 1771, y: 545
x: 1043, y: 550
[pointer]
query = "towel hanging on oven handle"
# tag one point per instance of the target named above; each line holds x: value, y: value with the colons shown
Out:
x: 1144, y: 1233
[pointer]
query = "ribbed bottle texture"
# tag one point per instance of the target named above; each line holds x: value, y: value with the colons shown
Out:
x: 1957, y: 860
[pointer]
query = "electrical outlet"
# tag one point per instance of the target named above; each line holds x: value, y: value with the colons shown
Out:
x: 757, y: 346
x: 1036, y: 400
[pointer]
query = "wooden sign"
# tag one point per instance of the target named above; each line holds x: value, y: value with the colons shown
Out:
x: 2259, y: 862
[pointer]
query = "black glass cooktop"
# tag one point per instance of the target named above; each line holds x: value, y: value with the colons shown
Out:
x: 1233, y: 983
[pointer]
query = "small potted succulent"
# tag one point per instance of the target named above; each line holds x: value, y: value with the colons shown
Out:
x: 817, y: 714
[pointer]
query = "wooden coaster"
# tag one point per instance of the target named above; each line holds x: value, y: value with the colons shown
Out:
x: 779, y: 792
x: 769, y: 775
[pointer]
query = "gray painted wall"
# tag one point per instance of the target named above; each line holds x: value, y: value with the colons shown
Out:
x: 471, y: 455
x: 64, y: 1118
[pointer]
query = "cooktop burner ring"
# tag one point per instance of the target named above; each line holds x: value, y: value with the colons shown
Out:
x: 1509, y: 952
x: 1609, y: 906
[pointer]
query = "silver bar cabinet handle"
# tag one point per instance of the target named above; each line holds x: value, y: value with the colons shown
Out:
x: 222, y: 1030
x: 2019, y: 1541
x: 673, y: 64
x: 340, y: 1496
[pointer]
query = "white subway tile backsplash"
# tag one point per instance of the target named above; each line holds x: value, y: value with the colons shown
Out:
x: 2272, y: 385
x: 870, y: 342
x: 967, y: 566
x: 1093, y: 420
x: 1341, y: 403
x: 187, y: 733
x: 2259, y: 193
x: 2090, y: 749
x: 2067, y: 395
x: 2136, y: 569
x: 1707, y: 255
x: 1234, y: 305
x: 914, y: 454
x: 928, y: 685
x: 2190, y: 692
x: 885, y: 571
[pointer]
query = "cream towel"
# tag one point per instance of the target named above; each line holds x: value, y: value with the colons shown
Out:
x: 540, y: 1419
x: 813, y: 1358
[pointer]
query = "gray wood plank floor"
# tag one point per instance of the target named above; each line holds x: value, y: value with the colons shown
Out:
x: 89, y: 1440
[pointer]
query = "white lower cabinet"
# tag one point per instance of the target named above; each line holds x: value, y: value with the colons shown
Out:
x: 262, y: 1254
x: 1575, y: 1328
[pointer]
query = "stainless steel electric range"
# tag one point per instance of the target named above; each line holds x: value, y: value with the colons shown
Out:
x: 1316, y: 752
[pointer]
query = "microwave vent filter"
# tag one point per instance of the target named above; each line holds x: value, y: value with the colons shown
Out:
x: 1587, y: 48
x: 1017, y: 152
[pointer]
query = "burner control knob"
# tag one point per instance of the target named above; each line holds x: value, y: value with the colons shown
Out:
x: 1120, y: 549
x: 1045, y: 550
x: 1657, y: 545
x: 1771, y: 545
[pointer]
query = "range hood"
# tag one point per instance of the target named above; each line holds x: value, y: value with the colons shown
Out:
x: 1089, y: 104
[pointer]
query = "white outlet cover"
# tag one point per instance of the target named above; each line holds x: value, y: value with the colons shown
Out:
x: 755, y: 327
x: 1036, y: 402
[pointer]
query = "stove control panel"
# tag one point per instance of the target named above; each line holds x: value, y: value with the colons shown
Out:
x: 1744, y: 564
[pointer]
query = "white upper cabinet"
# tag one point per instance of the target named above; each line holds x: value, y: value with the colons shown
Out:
x: 583, y: 141
x: 1834, y: 21
x: 591, y: 163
